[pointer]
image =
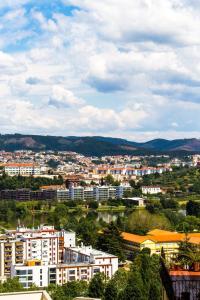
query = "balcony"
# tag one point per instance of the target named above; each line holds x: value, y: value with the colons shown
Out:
x: 8, y: 259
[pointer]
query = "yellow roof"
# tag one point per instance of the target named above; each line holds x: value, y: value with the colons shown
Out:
x: 159, y: 236
x: 156, y: 232
x: 133, y: 237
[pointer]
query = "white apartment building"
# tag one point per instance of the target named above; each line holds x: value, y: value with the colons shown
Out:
x: 34, y: 273
x: 42, y: 244
x: 80, y: 263
x: 23, y: 169
x: 151, y: 190
x: 127, y: 171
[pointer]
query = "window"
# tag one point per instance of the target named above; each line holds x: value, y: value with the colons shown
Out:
x: 71, y: 272
x: 23, y: 284
x: 72, y: 278
x: 22, y: 278
x: 21, y: 272
x: 96, y: 270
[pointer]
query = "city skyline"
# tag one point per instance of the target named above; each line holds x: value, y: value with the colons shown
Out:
x: 82, y: 67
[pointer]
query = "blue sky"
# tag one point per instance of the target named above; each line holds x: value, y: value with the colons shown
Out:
x: 127, y: 69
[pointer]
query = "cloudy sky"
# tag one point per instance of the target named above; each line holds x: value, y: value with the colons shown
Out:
x: 117, y: 68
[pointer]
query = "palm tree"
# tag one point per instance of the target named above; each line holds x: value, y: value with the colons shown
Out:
x: 190, y: 256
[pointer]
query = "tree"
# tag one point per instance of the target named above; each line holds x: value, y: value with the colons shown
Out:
x: 97, y: 286
x: 132, y: 183
x: 87, y: 231
x: 169, y: 203
x: 189, y: 254
x: 154, y: 291
x: 120, y: 279
x: 60, y: 214
x: 135, y: 288
x: 109, y: 179
x: 141, y: 222
x: 193, y: 208
x: 11, y: 285
x: 144, y: 281
x: 188, y: 224
x: 110, y: 291
x: 110, y: 241
x: 74, y: 289
x: 93, y: 204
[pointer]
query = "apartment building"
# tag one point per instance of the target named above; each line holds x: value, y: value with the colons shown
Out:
x: 101, y: 193
x: 11, y: 252
x: 127, y: 171
x: 88, y: 194
x: 42, y: 244
x: 98, y: 193
x: 80, y: 263
x: 63, y: 195
x: 152, y: 190
x: 27, y: 195
x: 34, y: 272
x: 23, y: 169
x: 76, y: 193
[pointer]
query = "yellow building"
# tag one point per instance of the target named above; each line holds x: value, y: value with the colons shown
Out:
x: 157, y: 239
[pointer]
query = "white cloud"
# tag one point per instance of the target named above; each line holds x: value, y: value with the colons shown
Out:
x: 61, y: 97
x: 110, y: 68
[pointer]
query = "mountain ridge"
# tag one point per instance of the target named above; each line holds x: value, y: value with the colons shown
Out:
x: 96, y: 145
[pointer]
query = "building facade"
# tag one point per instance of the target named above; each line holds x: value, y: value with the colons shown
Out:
x: 158, y: 241
x: 23, y: 244
x: 152, y: 190
x: 80, y: 263
x: 23, y: 169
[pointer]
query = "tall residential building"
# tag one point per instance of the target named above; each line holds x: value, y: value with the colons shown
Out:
x: 23, y: 244
x: 12, y: 251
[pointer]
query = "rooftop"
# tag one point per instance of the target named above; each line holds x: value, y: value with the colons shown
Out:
x: 88, y: 250
x: 158, y: 235
x: 32, y: 295
x: 184, y: 273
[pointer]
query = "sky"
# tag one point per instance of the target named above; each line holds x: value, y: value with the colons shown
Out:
x: 128, y: 69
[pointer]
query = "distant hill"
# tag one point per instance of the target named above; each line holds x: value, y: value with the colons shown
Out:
x: 96, y: 145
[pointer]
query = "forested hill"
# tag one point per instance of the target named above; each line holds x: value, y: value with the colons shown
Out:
x: 95, y: 145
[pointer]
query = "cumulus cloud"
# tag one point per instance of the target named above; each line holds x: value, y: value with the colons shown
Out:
x: 96, y: 70
x: 61, y: 97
